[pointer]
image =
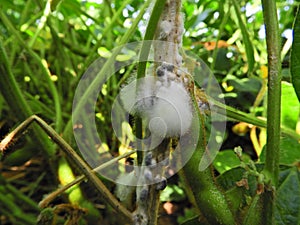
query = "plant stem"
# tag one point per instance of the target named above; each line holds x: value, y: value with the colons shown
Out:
x: 208, y: 198
x: 166, y: 52
x: 146, y: 45
x: 274, y: 89
x: 235, y: 114
x: 107, y: 29
x: 271, y: 169
x: 42, y: 23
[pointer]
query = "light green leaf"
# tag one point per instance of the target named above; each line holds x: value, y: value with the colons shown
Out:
x: 226, y: 160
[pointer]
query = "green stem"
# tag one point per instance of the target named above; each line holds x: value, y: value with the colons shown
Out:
x: 274, y: 90
x: 271, y: 169
x: 25, y: 12
x: 149, y: 35
x: 235, y: 114
x: 247, y: 42
x: 209, y: 199
x: 50, y: 197
x: 14, y: 210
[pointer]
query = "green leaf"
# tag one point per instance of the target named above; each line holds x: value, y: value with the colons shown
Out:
x: 226, y: 160
x: 295, y: 56
x: 289, y: 151
x: 288, y: 199
x: 289, y: 106
x: 228, y: 180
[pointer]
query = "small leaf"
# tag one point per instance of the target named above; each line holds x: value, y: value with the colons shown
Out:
x: 226, y: 160
x: 295, y: 56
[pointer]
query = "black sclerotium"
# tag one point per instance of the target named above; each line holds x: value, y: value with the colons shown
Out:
x: 148, y: 159
x: 168, y: 66
x: 139, y: 218
x: 148, y: 175
x: 162, y: 184
x: 144, y: 195
x: 161, y: 70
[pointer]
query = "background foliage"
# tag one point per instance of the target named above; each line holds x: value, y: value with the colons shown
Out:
x: 49, y: 47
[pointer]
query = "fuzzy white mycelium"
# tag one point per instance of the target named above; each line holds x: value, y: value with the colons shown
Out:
x: 162, y: 101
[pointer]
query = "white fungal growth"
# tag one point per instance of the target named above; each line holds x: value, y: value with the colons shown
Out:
x: 165, y: 29
x: 171, y: 115
x: 123, y: 192
x: 162, y: 101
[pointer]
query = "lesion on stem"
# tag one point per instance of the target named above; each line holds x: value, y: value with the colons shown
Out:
x: 167, y: 69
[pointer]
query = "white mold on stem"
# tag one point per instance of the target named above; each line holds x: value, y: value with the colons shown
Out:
x: 165, y: 29
x: 163, y: 102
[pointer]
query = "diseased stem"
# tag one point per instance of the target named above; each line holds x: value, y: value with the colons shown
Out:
x: 166, y: 27
x: 149, y: 35
x: 271, y: 169
x: 167, y: 51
